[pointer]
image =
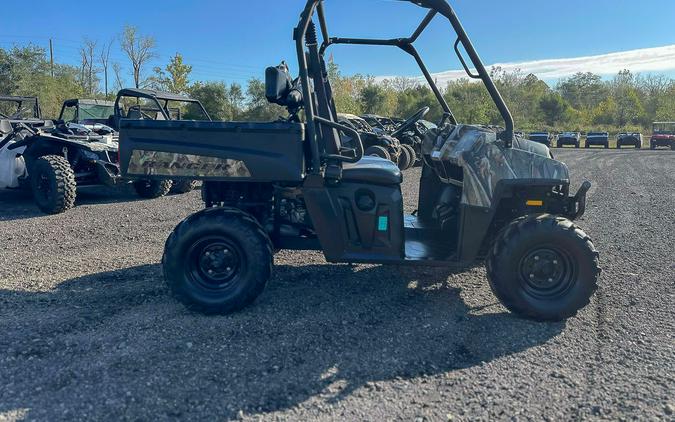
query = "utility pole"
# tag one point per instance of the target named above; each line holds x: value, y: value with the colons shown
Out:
x: 51, y: 56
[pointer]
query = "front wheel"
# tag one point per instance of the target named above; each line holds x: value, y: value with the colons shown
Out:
x: 217, y: 261
x: 543, y: 268
x: 151, y: 189
x: 52, y: 182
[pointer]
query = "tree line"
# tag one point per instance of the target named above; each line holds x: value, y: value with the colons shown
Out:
x: 583, y: 102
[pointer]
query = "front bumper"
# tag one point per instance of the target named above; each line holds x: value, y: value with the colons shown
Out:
x: 579, y: 202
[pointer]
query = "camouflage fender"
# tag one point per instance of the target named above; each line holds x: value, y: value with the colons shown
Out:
x: 485, y: 161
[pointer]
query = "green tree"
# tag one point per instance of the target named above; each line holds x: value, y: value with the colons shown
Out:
x: 553, y: 108
x: 140, y: 49
x: 175, y: 77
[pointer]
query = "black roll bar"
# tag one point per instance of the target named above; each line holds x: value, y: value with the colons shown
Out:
x: 406, y: 44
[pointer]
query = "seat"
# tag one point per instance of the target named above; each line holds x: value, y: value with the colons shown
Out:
x: 134, y: 114
x: 375, y: 170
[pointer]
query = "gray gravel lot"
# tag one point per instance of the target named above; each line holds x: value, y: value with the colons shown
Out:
x: 88, y: 331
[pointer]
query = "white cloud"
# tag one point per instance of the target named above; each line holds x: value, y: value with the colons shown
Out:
x: 657, y: 59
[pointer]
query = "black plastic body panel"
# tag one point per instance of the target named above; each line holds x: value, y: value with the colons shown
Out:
x: 272, y: 152
x: 350, y: 232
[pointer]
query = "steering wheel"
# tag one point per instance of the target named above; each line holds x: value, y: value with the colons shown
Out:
x: 408, y: 124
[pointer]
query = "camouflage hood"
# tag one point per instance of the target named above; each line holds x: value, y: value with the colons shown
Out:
x: 485, y: 161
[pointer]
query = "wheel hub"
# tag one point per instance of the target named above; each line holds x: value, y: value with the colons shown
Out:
x: 545, y: 271
x: 214, y: 263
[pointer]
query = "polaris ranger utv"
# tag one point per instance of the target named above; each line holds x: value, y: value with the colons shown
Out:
x: 292, y: 184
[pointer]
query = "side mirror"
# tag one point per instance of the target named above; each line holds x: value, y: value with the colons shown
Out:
x: 279, y: 87
x: 277, y: 84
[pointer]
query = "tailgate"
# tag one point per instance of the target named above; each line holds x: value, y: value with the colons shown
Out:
x: 212, y: 150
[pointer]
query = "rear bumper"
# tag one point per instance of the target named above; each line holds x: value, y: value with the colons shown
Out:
x: 567, y: 141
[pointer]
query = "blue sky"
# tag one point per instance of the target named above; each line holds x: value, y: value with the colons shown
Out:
x: 233, y: 40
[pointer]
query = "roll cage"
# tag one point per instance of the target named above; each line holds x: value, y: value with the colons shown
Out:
x: 30, y: 104
x: 157, y: 97
x: 305, y: 36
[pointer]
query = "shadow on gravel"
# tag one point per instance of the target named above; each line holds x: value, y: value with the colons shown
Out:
x: 115, y: 345
x: 19, y: 204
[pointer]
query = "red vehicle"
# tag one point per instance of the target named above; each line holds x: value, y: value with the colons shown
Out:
x: 663, y: 135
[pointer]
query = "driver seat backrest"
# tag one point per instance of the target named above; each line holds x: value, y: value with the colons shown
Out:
x: 134, y: 114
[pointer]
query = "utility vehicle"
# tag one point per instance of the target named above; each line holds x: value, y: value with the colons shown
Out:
x: 597, y: 138
x: 378, y: 144
x: 569, y: 138
x: 629, y: 138
x: 543, y: 138
x: 53, y: 160
x: 663, y: 135
x: 292, y: 184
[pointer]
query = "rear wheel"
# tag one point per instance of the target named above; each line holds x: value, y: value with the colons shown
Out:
x: 607, y: 145
x: 672, y: 146
x: 151, y: 189
x: 183, y: 186
x: 52, y: 182
x: 652, y: 146
x: 543, y: 267
x: 218, y: 261
x: 377, y: 151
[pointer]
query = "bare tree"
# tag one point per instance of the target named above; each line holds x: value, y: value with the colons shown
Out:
x: 88, y: 71
x: 117, y: 70
x: 140, y: 49
x: 104, y: 57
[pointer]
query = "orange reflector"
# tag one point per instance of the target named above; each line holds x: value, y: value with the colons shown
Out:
x: 533, y: 203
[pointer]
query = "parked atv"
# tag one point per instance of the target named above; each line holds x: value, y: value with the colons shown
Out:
x: 53, y: 160
x: 543, y: 138
x: 663, y: 135
x: 569, y: 138
x: 294, y: 184
x: 627, y: 138
x: 379, y: 144
x: 597, y: 138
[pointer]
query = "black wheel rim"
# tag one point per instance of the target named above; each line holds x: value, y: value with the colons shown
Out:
x: 547, y: 272
x: 214, y: 263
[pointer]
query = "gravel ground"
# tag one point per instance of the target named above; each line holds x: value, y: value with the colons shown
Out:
x: 88, y: 331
